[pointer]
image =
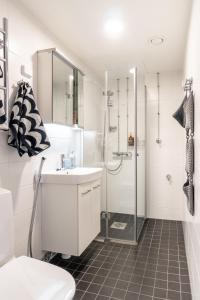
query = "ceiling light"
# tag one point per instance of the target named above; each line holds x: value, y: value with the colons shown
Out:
x: 156, y: 40
x: 114, y: 27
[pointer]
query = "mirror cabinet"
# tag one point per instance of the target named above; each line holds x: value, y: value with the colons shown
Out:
x: 60, y: 89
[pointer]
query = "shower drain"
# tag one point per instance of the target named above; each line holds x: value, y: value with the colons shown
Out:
x: 118, y: 225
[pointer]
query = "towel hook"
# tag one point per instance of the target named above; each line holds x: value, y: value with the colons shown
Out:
x: 188, y: 84
x: 20, y: 81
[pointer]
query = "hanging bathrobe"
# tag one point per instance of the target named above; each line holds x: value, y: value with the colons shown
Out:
x: 26, y: 130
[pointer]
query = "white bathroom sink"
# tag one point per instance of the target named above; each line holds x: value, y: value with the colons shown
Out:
x: 71, y: 176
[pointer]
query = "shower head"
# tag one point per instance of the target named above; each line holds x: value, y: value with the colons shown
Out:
x: 109, y: 93
x: 112, y: 128
x: 109, y: 99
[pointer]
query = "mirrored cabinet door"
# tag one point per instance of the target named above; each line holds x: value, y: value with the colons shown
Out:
x: 80, y: 100
x: 60, y: 89
x: 63, y: 86
x: 78, y: 110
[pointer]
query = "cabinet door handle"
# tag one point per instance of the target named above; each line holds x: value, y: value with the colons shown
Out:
x: 97, y: 186
x: 85, y: 193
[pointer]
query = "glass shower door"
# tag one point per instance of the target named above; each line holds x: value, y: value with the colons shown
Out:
x: 123, y: 199
x: 140, y: 155
x: 120, y: 158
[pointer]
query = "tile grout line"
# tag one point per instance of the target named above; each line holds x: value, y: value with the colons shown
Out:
x: 179, y: 263
x: 147, y: 258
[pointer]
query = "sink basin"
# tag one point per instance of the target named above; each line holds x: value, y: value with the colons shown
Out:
x: 71, y: 176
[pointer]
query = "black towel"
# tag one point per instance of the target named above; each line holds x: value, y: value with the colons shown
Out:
x: 26, y: 129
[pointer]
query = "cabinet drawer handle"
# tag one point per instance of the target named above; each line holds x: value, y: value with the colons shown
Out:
x: 85, y: 193
x: 97, y: 186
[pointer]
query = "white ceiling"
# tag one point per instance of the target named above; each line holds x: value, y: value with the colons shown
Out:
x: 79, y: 25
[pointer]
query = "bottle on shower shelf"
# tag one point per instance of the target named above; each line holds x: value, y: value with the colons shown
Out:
x: 131, y: 140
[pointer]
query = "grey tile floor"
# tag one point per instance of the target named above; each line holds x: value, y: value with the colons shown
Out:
x: 155, y: 269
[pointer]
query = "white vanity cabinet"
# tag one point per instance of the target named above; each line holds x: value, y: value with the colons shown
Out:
x: 70, y: 216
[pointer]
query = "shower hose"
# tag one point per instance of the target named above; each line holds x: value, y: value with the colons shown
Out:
x: 35, y: 200
x: 116, y: 169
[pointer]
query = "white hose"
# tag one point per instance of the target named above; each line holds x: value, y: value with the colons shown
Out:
x: 38, y: 179
x: 115, y: 170
x: 118, y: 168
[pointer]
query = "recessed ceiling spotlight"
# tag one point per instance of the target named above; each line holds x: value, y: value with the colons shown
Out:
x: 114, y: 27
x: 156, y: 40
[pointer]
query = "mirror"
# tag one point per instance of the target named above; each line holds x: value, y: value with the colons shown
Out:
x: 67, y: 93
x: 63, y: 92
x: 60, y: 89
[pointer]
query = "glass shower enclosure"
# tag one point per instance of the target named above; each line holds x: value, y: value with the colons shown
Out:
x: 123, y: 210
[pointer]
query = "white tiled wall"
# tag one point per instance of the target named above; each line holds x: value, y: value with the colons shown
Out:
x: 26, y: 36
x: 164, y: 198
x: 192, y: 224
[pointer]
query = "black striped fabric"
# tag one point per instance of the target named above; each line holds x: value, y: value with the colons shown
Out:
x: 26, y: 130
x: 1, y: 72
x: 2, y: 114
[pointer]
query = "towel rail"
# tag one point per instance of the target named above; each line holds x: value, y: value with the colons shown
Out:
x: 4, y: 59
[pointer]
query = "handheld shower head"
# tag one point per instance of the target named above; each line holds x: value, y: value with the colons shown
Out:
x: 110, y: 93
x: 109, y: 99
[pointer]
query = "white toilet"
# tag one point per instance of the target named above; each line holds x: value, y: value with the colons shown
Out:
x: 25, y: 278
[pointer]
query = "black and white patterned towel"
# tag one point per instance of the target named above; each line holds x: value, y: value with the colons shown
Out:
x: 2, y: 115
x: 1, y: 72
x: 26, y: 129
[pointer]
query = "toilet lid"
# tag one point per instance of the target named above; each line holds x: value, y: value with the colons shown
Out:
x: 26, y: 278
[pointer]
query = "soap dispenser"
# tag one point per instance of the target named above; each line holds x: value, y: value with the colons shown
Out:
x: 131, y: 140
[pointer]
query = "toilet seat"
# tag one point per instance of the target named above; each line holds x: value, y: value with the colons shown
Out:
x: 26, y: 278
